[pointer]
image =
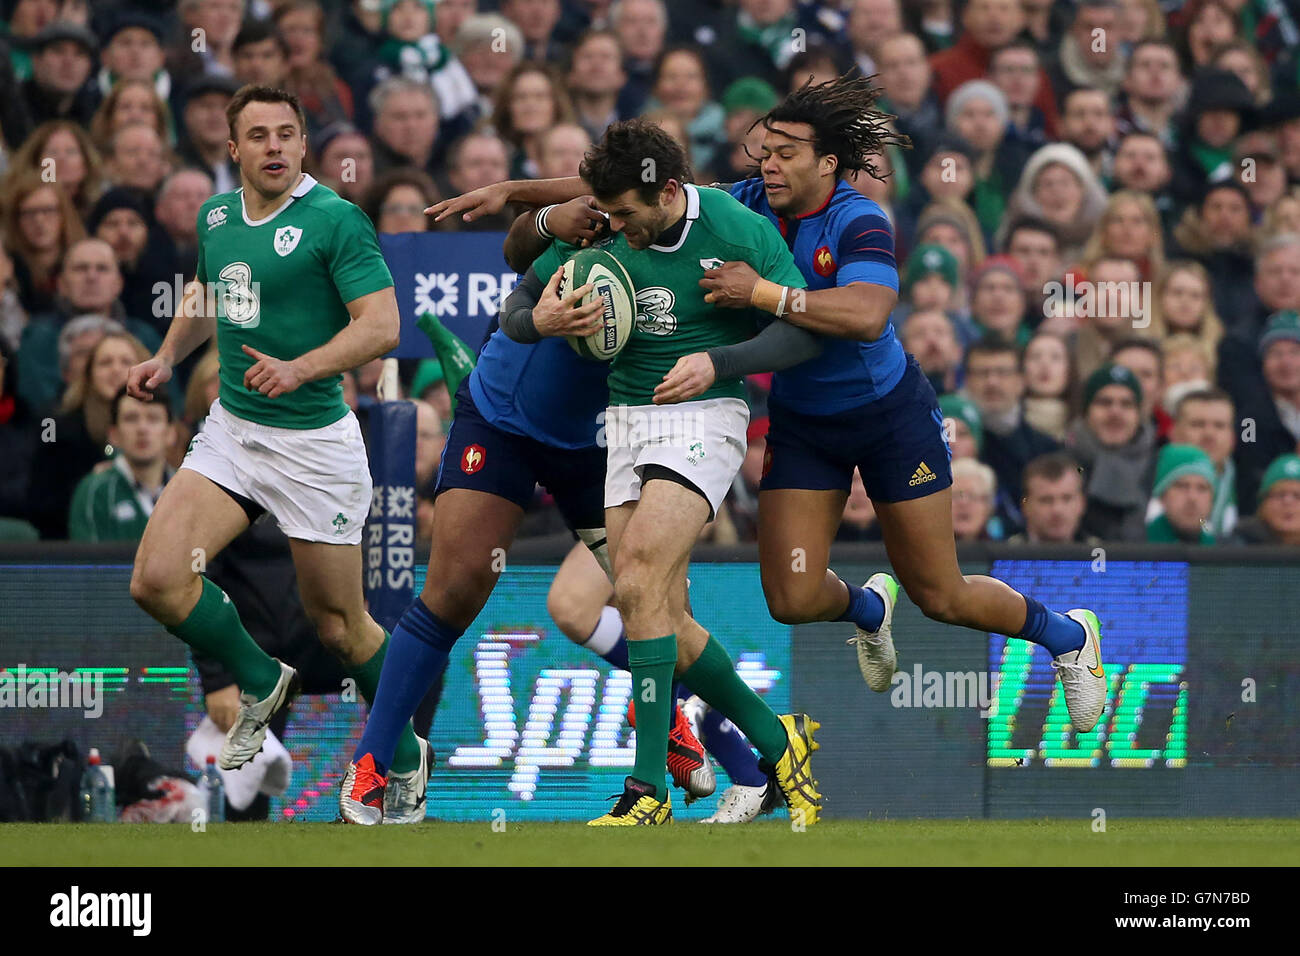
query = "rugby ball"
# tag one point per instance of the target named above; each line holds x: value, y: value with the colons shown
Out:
x: 611, y: 285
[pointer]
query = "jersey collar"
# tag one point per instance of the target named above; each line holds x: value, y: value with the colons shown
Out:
x: 692, y: 213
x: 302, y: 189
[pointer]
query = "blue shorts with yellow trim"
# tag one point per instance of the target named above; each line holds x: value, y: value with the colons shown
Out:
x: 896, y: 442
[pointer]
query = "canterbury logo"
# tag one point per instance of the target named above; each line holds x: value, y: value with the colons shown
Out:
x: 922, y: 475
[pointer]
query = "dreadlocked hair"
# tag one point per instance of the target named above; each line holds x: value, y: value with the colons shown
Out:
x: 845, y: 121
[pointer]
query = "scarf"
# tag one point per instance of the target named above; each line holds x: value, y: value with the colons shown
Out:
x: 1120, y: 477
x: 773, y: 38
x: 1082, y: 73
x: 1160, y: 531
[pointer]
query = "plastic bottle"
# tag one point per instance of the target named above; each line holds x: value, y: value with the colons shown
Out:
x: 98, y: 801
x: 214, y: 792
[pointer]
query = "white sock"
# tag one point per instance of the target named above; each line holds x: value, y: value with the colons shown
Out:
x: 608, y: 630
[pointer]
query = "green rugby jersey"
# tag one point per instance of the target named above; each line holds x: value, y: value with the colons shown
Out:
x: 672, y: 318
x: 281, y: 285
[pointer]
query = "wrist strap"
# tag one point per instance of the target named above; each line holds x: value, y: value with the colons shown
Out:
x: 769, y: 296
x: 539, y: 222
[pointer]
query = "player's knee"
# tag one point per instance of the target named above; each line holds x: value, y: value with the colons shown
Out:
x: 937, y: 603
x: 789, y: 604
x: 458, y: 601
x: 632, y: 589
x: 566, y: 611
x: 155, y: 591
x: 333, y: 631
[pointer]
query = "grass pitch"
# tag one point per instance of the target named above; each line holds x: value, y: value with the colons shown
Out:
x: 1131, y: 842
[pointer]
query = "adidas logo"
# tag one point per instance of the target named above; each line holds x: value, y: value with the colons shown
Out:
x: 922, y: 475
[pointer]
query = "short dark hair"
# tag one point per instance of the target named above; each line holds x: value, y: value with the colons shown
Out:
x: 259, y: 31
x: 1033, y: 224
x: 992, y: 345
x: 1211, y: 394
x: 634, y: 154
x: 1018, y: 43
x: 1140, y: 342
x: 160, y: 397
x: 262, y: 94
x: 1050, y: 467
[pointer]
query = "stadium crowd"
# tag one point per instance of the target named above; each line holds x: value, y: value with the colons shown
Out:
x: 1097, y: 225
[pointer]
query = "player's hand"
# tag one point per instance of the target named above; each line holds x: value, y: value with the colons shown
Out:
x: 577, y: 221
x: 484, y: 201
x: 272, y: 377
x: 555, y: 315
x: 145, y: 377
x: 689, y: 378
x: 223, y: 706
x: 730, y: 286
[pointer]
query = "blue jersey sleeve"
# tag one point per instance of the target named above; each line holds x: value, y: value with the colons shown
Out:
x: 748, y: 192
x: 865, y: 252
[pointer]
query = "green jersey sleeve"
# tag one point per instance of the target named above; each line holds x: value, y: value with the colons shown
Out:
x: 552, y: 257
x: 356, y: 264
x: 776, y: 262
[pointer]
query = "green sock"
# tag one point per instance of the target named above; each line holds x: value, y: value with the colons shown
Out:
x: 713, y: 677
x: 407, y: 755
x: 652, y: 663
x: 213, y: 628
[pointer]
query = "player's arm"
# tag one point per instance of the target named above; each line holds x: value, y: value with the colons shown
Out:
x: 374, y: 330
x: 490, y: 200
x: 533, y: 310
x: 859, y: 305
x: 778, y: 346
x: 577, y: 222
x: 191, y: 327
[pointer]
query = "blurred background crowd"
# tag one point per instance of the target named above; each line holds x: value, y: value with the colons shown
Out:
x: 1098, y: 225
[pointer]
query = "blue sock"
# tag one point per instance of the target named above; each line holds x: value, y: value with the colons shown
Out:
x: 616, y: 656
x: 866, y: 609
x: 1056, y: 632
x: 416, y: 656
x: 730, y: 748
x: 609, y: 639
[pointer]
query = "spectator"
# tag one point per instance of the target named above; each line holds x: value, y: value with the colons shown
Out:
x: 1145, y: 359
x: 1189, y: 365
x: 1153, y: 88
x: 133, y: 53
x: 1111, y: 314
x: 978, y: 113
x: 870, y: 24
x: 858, y: 523
x: 744, y: 102
x: 951, y: 224
x: 905, y: 80
x: 13, y: 317
x: 1273, y: 417
x: 406, y: 125
x: 137, y: 158
x: 346, y: 163
x: 818, y: 64
x: 929, y: 336
x: 479, y: 159
x: 1218, y: 234
x: 1243, y: 60
x: 1205, y: 418
x: 1081, y: 60
x: 61, y: 151
x: 121, y: 218
x: 176, y: 211
x: 536, y: 20
x: 1139, y: 20
x: 947, y: 176
x: 1050, y: 385
x: 963, y: 428
x: 755, y: 40
x: 1282, y: 216
x: 1218, y: 109
x: 396, y: 201
x: 974, y: 488
x: 562, y: 149
x: 996, y: 384
x: 1088, y: 124
x: 1257, y: 164
x: 931, y: 279
x: 27, y: 18
x: 1058, y: 185
x: 681, y: 87
x: 205, y: 132
x: 1277, y: 518
x: 642, y: 28
x: 18, y: 430
x: 429, y: 442
x: 595, y: 79
x: 1016, y: 70
x: 114, y: 501
x: 1036, y: 246
x: 986, y: 26
x: 63, y: 56
x: 1182, y: 304
x: 489, y: 46
x: 1053, y: 504
x: 261, y: 57
x: 1184, y: 487
x: 40, y: 223
x: 530, y: 102
x: 325, y: 98
x: 89, y: 283
x: 999, y: 305
x: 128, y: 103
x: 219, y: 21
x: 76, y: 438
x: 430, y: 385
x: 1206, y: 26
x: 1141, y: 165
x: 1117, y: 451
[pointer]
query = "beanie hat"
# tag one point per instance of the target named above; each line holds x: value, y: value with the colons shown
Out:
x: 1281, y: 326
x: 749, y: 93
x: 964, y: 410
x: 929, y: 259
x: 1179, y: 461
x: 427, y: 374
x: 1285, y: 468
x: 1110, y: 375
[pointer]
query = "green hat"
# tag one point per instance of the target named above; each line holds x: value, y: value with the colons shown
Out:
x: 1110, y: 375
x: 427, y: 374
x: 1281, y: 325
x: 749, y: 93
x: 1179, y: 461
x: 1285, y: 468
x: 964, y: 410
x: 929, y: 259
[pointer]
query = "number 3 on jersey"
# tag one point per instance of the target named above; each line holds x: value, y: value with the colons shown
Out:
x: 239, y: 300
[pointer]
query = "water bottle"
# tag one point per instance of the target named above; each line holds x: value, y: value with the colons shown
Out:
x: 214, y: 792
x: 98, y: 802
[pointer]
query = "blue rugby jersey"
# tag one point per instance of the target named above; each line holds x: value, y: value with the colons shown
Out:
x: 849, y: 239
x: 545, y: 391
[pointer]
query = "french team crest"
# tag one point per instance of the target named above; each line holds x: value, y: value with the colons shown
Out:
x: 286, y: 239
